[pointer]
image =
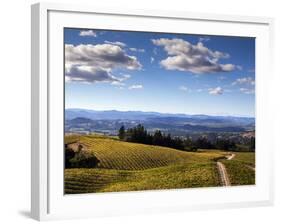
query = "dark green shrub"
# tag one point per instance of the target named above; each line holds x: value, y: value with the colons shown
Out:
x: 80, y: 159
x: 83, y: 159
x: 68, y: 155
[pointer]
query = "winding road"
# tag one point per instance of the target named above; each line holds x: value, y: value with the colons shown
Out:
x: 223, y: 173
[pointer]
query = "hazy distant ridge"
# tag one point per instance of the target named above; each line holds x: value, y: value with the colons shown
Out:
x: 140, y: 115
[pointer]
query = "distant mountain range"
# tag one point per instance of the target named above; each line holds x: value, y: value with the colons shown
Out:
x: 80, y: 120
x: 140, y: 115
x: 115, y: 114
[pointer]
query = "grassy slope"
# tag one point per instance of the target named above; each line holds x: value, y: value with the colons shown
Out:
x: 128, y: 166
x: 115, y: 154
x: 239, y: 169
x: 246, y: 157
x: 170, y: 177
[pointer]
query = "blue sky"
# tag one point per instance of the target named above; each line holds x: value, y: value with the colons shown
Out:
x: 174, y: 73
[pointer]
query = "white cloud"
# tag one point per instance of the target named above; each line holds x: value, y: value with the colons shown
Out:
x: 89, y: 74
x: 216, y: 91
x: 247, y: 90
x: 87, y: 33
x: 121, y: 44
x: 135, y: 87
x: 152, y: 60
x: 117, y: 83
x: 245, y: 80
x: 203, y: 39
x: 106, y: 56
x: 183, y: 88
x: 120, y: 81
x: 126, y: 76
x: 89, y: 63
x: 239, y: 67
x: 198, y: 59
x: 137, y: 49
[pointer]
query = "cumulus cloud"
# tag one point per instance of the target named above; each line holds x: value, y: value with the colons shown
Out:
x: 135, y: 87
x: 106, y: 56
x: 95, y: 63
x: 247, y: 90
x: 84, y: 33
x: 183, y: 88
x: 89, y: 74
x: 121, y: 44
x: 216, y: 91
x: 245, y: 80
x: 137, y: 49
x: 198, y: 59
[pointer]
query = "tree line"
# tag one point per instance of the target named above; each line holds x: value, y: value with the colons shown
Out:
x: 139, y: 134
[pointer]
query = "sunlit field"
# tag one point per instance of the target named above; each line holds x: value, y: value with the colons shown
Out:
x: 128, y: 166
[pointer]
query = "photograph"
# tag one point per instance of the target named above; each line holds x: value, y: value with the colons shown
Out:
x: 157, y: 111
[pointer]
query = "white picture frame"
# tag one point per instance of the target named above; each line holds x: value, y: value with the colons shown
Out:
x: 47, y: 199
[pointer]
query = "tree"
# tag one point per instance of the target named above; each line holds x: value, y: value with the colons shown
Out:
x: 189, y: 145
x: 149, y: 139
x: 68, y: 155
x: 139, y: 134
x: 203, y: 143
x: 157, y: 138
x: 84, y: 159
x: 178, y: 143
x: 80, y: 158
x: 122, y: 133
x: 252, y: 144
x: 168, y: 141
x: 226, y: 144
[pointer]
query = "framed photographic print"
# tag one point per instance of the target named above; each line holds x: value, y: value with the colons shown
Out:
x: 144, y: 111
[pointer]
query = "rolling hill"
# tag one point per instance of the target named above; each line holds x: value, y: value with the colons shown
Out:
x: 129, y: 166
x: 115, y: 154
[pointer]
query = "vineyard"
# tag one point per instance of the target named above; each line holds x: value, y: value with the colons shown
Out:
x: 170, y: 177
x: 129, y: 166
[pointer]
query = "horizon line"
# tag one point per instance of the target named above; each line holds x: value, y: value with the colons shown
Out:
x: 191, y: 114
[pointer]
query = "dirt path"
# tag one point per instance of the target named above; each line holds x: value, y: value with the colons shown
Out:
x: 250, y: 167
x: 230, y: 157
x: 223, y: 173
